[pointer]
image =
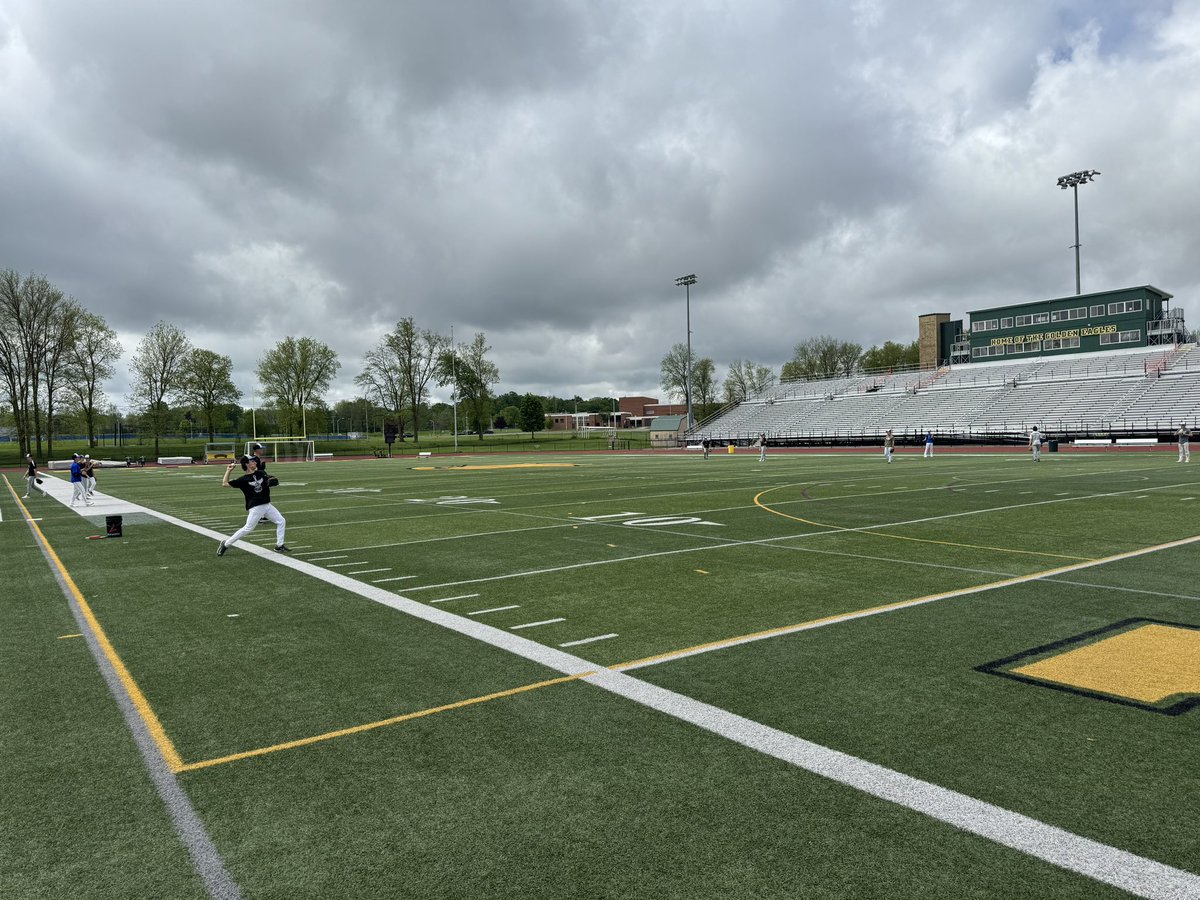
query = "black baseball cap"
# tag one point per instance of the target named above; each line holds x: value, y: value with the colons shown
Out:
x: 256, y: 446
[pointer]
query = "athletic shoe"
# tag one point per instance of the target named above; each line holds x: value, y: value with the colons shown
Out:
x: 221, y: 548
x: 282, y: 548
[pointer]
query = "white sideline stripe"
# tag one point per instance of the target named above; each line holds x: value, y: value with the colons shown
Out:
x: 369, y: 571
x: 397, y: 578
x: 535, y: 624
x: 455, y: 597
x: 591, y: 640
x: 480, y: 612
x: 1101, y: 862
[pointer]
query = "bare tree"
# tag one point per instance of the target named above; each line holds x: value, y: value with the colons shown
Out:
x: 295, y: 374
x: 157, y: 369
x: 89, y: 365
x: 36, y: 326
x: 383, y: 380
x: 60, y: 331
x: 746, y: 379
x: 822, y: 357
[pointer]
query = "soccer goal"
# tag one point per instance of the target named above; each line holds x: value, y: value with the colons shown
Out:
x: 222, y: 451
x: 285, y: 449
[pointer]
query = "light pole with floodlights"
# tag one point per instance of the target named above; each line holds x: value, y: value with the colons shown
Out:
x: 1073, y: 181
x: 686, y: 282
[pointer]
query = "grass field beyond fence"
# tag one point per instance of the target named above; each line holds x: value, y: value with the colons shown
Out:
x: 607, y: 675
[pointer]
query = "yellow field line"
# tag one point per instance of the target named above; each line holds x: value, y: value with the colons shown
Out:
x: 165, y: 747
x: 899, y: 604
x: 358, y: 729
x: 903, y: 537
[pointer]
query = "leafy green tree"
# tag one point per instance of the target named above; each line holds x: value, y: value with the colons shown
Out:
x: 207, y: 384
x: 295, y: 374
x: 532, y: 415
x: 510, y: 414
x: 892, y: 356
x: 472, y: 374
x: 704, y: 387
x: 157, y: 376
x: 674, y: 373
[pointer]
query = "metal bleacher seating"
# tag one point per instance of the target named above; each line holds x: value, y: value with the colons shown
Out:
x: 1152, y: 388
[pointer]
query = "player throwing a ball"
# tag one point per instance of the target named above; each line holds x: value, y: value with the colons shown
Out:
x: 256, y: 486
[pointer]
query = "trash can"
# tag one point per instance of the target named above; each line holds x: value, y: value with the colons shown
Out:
x: 731, y: 448
x: 1052, y: 446
x: 112, y: 526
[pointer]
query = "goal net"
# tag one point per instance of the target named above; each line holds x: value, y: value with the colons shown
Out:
x: 284, y: 449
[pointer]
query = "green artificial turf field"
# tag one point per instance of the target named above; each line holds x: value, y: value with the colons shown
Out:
x: 609, y: 675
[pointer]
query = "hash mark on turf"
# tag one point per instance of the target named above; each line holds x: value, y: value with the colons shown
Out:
x: 599, y: 637
x: 480, y: 612
x: 357, y: 562
x: 457, y: 597
x: 396, y: 578
x: 536, y: 624
x: 323, y: 558
x: 368, y: 571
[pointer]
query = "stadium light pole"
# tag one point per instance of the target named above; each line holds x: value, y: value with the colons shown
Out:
x: 686, y: 282
x: 1073, y: 181
x: 454, y: 382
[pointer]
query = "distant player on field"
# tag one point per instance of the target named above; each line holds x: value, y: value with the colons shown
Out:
x: 889, y: 445
x: 256, y: 486
x: 1183, y: 437
x: 1035, y: 444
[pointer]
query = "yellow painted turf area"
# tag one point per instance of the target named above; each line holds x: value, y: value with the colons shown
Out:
x: 1147, y: 664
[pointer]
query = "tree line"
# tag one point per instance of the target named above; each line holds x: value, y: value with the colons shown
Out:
x: 813, y: 358
x: 55, y: 355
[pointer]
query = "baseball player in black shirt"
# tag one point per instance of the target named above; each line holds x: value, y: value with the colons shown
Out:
x: 256, y: 486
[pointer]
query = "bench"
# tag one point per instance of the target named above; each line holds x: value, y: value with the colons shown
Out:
x: 1092, y: 442
x: 425, y: 453
x: 174, y: 460
x: 1137, y: 442
x: 322, y: 456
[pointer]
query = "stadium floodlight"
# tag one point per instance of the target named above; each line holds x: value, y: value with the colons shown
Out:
x: 1073, y: 181
x: 686, y: 282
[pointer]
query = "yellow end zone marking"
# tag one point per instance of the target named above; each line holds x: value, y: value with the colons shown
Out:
x: 1147, y: 664
x: 700, y: 571
x: 382, y: 723
x: 904, y: 537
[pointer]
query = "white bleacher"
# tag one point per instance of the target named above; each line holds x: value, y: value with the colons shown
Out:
x: 1140, y: 388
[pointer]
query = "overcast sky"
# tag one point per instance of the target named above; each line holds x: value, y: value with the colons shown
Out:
x: 543, y: 170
